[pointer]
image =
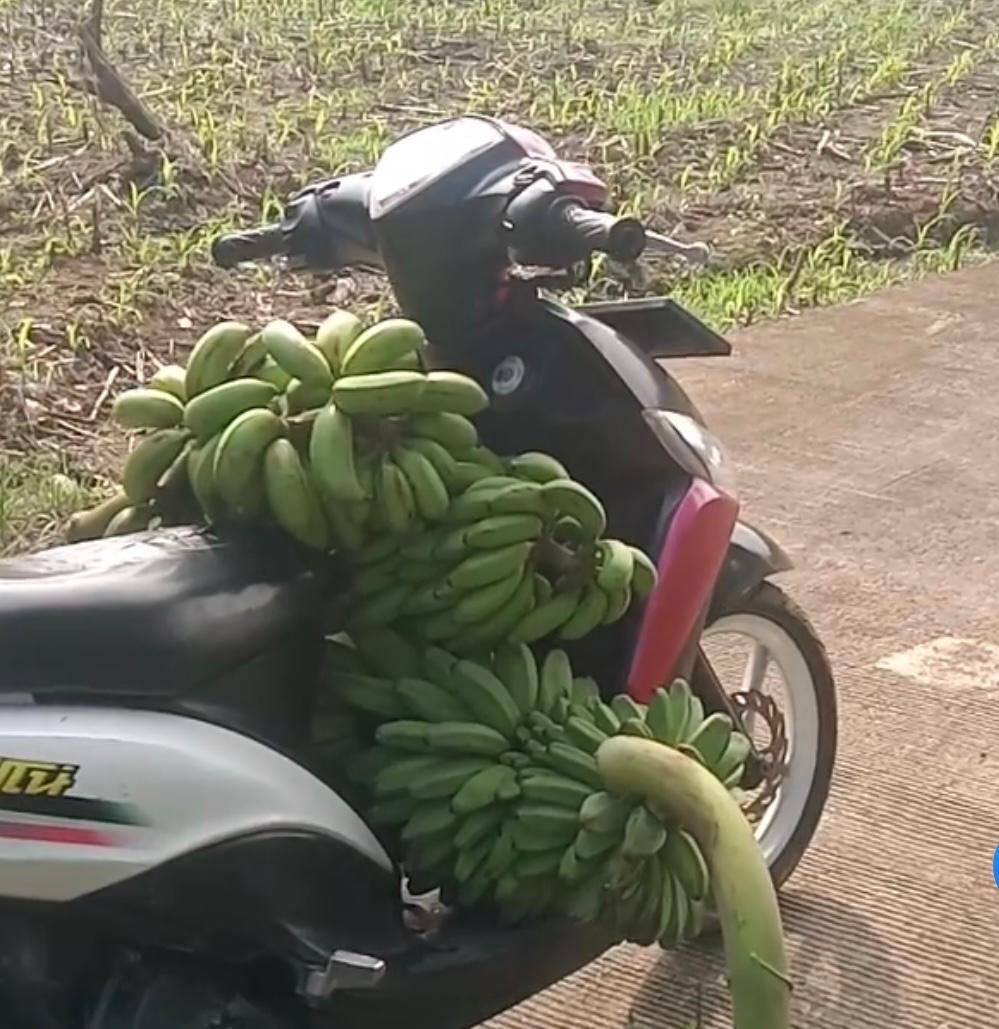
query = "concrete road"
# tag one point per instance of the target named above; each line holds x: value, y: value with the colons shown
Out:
x: 867, y: 441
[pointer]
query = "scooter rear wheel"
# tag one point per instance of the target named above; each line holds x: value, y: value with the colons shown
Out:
x: 782, y: 657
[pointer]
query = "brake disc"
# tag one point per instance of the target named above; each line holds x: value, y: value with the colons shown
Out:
x: 772, y: 757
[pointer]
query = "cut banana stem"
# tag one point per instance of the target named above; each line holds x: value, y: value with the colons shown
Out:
x: 742, y: 890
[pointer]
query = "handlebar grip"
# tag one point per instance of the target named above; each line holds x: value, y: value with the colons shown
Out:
x: 585, y: 230
x: 233, y: 248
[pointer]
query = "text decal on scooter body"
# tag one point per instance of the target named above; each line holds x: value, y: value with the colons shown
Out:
x: 26, y: 778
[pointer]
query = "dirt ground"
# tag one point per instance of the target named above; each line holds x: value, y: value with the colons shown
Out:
x: 865, y: 439
x: 822, y: 150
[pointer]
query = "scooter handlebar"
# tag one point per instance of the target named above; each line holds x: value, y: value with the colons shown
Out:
x: 232, y: 248
x: 585, y: 230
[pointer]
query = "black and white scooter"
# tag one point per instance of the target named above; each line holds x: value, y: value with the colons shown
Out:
x: 170, y: 852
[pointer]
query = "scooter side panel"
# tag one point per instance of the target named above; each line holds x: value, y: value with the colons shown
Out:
x: 90, y: 797
x: 691, y: 556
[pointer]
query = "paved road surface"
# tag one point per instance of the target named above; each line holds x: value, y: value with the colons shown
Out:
x: 867, y: 440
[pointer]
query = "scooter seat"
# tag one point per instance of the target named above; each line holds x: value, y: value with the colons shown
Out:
x: 153, y: 615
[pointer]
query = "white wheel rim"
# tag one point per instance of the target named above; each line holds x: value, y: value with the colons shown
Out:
x: 773, y: 647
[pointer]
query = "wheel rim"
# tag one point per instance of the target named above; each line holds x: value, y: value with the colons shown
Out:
x: 771, y: 659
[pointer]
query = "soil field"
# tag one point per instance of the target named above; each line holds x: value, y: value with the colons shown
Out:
x: 824, y: 149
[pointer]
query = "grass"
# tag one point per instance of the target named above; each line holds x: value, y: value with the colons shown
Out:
x: 824, y: 149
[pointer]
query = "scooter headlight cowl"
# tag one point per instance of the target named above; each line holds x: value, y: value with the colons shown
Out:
x: 712, y: 460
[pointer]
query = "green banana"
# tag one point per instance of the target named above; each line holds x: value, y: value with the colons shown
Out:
x: 543, y: 863
x: 481, y: 791
x: 575, y: 763
x: 150, y: 461
x: 394, y: 497
x: 617, y: 603
x: 470, y: 859
x: 502, y: 530
x: 291, y: 496
x: 450, y: 430
x: 486, y: 696
x: 447, y: 778
x: 214, y: 355
x: 201, y: 474
x: 476, y: 606
x: 429, y: 492
x: 145, y: 408
x: 497, y: 626
x: 270, y: 371
x: 170, y: 379
x: 605, y: 719
x: 439, y: 456
x: 379, y: 393
x: 213, y: 409
x: 516, y: 668
x: 128, y: 520
x: 546, y: 617
x: 479, y: 825
x: 615, y: 564
x: 604, y: 812
x: 431, y: 702
x: 584, y: 734
x: 487, y: 567
x: 405, y: 734
x: 472, y: 504
x: 304, y: 395
x: 644, y: 576
x: 553, y: 788
x: 644, y: 834
x: 555, y: 680
x: 687, y: 863
x: 502, y: 855
x: 370, y: 694
x: 237, y: 466
x: 379, y: 609
x: 590, y: 844
x: 451, y: 392
x: 466, y: 738
x: 588, y: 615
x: 624, y: 707
x: 335, y: 335
x: 92, y: 523
x: 467, y: 473
x: 397, y: 778
x: 296, y: 355
x: 733, y: 757
x: 251, y: 358
x: 376, y: 348
x: 429, y: 819
x: 331, y: 457
x: 518, y: 498
x: 660, y: 718
x: 545, y: 818
x: 378, y: 550
x: 711, y: 737
x: 537, y: 467
x: 387, y: 651
x: 567, y: 497
x: 689, y: 710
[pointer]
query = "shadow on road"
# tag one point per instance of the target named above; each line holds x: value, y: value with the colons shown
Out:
x: 831, y: 946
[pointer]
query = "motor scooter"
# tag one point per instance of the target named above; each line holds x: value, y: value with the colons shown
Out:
x: 171, y: 851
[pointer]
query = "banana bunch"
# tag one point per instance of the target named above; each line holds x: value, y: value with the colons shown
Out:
x: 483, y: 775
x: 322, y: 436
x: 517, y: 554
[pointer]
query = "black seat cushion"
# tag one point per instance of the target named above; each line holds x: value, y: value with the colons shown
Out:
x: 154, y: 615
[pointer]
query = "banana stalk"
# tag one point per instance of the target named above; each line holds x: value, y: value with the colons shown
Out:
x: 687, y: 793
